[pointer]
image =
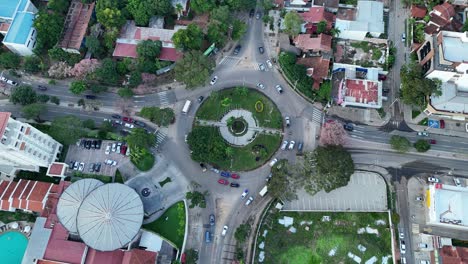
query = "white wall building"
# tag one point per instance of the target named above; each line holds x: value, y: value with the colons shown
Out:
x: 23, y: 147
x: 369, y: 18
x: 16, y: 24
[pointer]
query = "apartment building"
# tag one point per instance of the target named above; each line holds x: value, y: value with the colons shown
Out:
x: 23, y: 147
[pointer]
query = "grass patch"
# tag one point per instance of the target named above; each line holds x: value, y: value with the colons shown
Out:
x: 313, y: 246
x: 415, y: 113
x: 118, y: 177
x: 212, y: 109
x: 364, y: 45
x: 78, y: 176
x: 423, y: 122
x: 172, y: 227
x: 167, y: 180
x: 376, y: 53
x: 7, y: 217
x: 145, y: 163
x: 36, y: 176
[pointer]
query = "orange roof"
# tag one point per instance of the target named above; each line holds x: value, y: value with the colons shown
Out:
x: 418, y: 11
x: 16, y: 194
x: 100, y: 257
x: 454, y: 255
x: 4, y: 116
x: 138, y: 256
x: 56, y: 169
x: 317, y: 68
x: 321, y: 43
x: 7, y: 188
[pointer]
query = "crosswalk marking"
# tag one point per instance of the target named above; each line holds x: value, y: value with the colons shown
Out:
x: 160, y: 137
x: 163, y: 99
x: 229, y: 60
x: 317, y: 115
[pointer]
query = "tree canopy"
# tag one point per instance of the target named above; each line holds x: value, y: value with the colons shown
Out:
x: 321, y: 26
x: 400, y: 144
x: 32, y: 64
x: 415, y: 88
x: 67, y: 130
x: 206, y: 144
x: 77, y: 87
x: 107, y: 72
x: 140, y: 139
x: 190, y: 38
x: 108, y: 14
x: 193, y: 69
x: 23, y: 95
x: 159, y: 116
x: 9, y: 60
x: 49, y: 26
x: 33, y: 111
x: 284, y: 181
x: 149, y: 49
x: 143, y: 10
x: 202, y: 6
x: 422, y: 145
x: 292, y: 23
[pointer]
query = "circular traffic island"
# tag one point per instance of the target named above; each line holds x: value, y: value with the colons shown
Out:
x: 231, y: 133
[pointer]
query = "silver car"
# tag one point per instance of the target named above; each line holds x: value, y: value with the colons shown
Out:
x: 284, y: 145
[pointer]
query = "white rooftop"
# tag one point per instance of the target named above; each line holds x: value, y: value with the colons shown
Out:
x: 71, y: 199
x: 455, y: 46
x: 450, y: 204
x: 454, y: 96
x: 110, y: 217
x: 369, y: 18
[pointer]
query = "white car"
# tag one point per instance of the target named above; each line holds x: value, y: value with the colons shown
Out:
x: 273, y: 162
x: 291, y: 145
x: 108, y: 149
x: 114, y: 163
x: 457, y: 182
x: 270, y: 65
x: 114, y: 147
x: 423, y: 133
x: 402, y: 247
x: 225, y: 229
x: 402, y: 235
x: 288, y: 121
x: 279, y: 88
x: 261, y: 86
x: 244, y: 194
x: 213, y: 81
x: 249, y: 201
x: 432, y: 179
x: 466, y: 127
x: 261, y: 66
x: 108, y: 162
x: 81, y: 168
x: 129, y: 125
x: 284, y: 145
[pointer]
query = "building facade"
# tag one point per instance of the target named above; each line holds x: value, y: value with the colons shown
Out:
x: 23, y: 147
x: 16, y: 24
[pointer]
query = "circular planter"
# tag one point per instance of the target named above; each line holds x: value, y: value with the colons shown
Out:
x: 239, y: 127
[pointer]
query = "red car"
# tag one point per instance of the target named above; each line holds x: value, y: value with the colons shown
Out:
x: 223, y: 181
x: 432, y: 141
x: 442, y: 124
x: 123, y: 150
x: 127, y: 119
x: 235, y: 176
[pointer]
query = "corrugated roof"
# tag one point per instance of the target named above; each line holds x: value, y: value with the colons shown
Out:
x: 20, y: 28
x: 110, y: 217
x: 71, y: 200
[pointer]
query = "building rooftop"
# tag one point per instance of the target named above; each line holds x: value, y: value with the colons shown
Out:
x: 418, y: 11
x: 4, y: 117
x: 9, y: 7
x: 455, y: 46
x: 25, y: 195
x: 56, y: 169
x: 369, y: 18
x: 306, y: 43
x: 454, y: 255
x: 129, y: 50
x: 37, y: 242
x: 20, y: 28
x: 327, y: 3
x: 76, y: 24
x: 316, y: 14
x: 317, y: 68
x: 447, y: 205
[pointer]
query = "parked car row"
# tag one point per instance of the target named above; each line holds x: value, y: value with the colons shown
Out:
x: 76, y: 165
x: 89, y: 143
x: 8, y: 81
x: 127, y: 120
x: 229, y: 175
x: 110, y: 162
x: 95, y: 167
x: 117, y: 147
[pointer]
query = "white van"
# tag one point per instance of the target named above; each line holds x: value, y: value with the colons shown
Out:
x: 263, y: 191
x: 186, y: 107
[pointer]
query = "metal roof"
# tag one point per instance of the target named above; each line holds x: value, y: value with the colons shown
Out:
x: 71, y: 199
x: 110, y: 217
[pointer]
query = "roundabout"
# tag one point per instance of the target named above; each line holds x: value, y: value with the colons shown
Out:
x: 236, y: 129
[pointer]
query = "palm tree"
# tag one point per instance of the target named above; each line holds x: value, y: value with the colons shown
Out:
x: 229, y: 152
x: 179, y: 9
x: 335, y: 32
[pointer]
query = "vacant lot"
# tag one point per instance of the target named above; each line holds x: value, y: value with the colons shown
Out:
x: 216, y: 106
x: 324, y: 241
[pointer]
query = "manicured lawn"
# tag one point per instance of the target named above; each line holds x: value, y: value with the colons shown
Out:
x: 173, y: 228
x: 211, y: 109
x: 145, y: 163
x: 314, y: 245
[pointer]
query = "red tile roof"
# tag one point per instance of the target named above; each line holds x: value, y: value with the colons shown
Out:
x: 60, y: 248
x: 7, y: 189
x: 16, y: 194
x: 27, y: 195
x: 129, y: 50
x: 4, y: 116
x: 138, y: 256
x: 364, y: 91
x: 4, y: 27
x: 317, y: 68
x: 56, y: 168
x: 170, y: 54
x: 418, y: 11
x: 306, y: 43
x: 445, y: 11
x: 454, y: 255
x: 108, y: 257
x: 317, y: 14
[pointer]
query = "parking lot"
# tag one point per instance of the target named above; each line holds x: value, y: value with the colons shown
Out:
x: 81, y: 154
x: 365, y: 192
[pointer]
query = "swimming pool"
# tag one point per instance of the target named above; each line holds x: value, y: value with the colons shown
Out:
x: 12, y: 244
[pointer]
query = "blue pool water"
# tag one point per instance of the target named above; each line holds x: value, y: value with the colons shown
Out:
x: 12, y: 245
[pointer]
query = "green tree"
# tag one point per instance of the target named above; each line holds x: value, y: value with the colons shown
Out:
x: 23, y: 95
x: 93, y: 45
x: 202, y: 6
x: 240, y: 4
x: 55, y: 100
x: 33, y: 111
x: 110, y: 36
x: 197, y: 199
x: 67, y: 130
x: 143, y: 10
x: 159, y: 116
x: 43, y: 98
x: 49, y: 26
x: 335, y: 32
x: 135, y: 79
x: 422, y: 145
x: 242, y: 232
x: 465, y: 26
x: 238, y: 29
x: 400, y: 144
x: 32, y: 64
x: 9, y: 60
x: 415, y: 89
x: 221, y: 14
x: 108, y: 13
x: 96, y: 88
x: 59, y: 6
x: 193, y: 69
x: 179, y: 9
x: 229, y: 152
x: 267, y: 5
x: 190, y: 38
x: 78, y: 87
x: 140, y: 139
x: 321, y: 26
x: 206, y: 144
x: 107, y: 73
x: 149, y: 49
x: 89, y: 124
x: 191, y: 256
x: 292, y: 23
x: 217, y: 33
x: 284, y: 182
x: 125, y: 92
x: 59, y: 54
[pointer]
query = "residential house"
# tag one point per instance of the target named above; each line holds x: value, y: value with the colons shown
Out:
x: 368, y: 19
x: 353, y: 85
x: 444, y: 57
x: 23, y: 147
x: 131, y: 35
x: 297, y: 5
x: 317, y: 69
x: 454, y: 255
x: 418, y: 12
x: 29, y: 196
x: 442, y: 18
x: 16, y: 24
x: 330, y: 5
x: 314, y: 45
x: 315, y: 15
x: 76, y: 25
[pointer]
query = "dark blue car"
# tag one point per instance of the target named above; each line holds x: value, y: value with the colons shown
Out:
x: 225, y: 174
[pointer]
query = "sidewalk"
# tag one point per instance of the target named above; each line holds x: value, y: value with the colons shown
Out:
x: 369, y: 117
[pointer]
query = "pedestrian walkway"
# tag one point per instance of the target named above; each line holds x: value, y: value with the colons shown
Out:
x: 160, y: 137
x: 165, y: 99
x: 230, y: 61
